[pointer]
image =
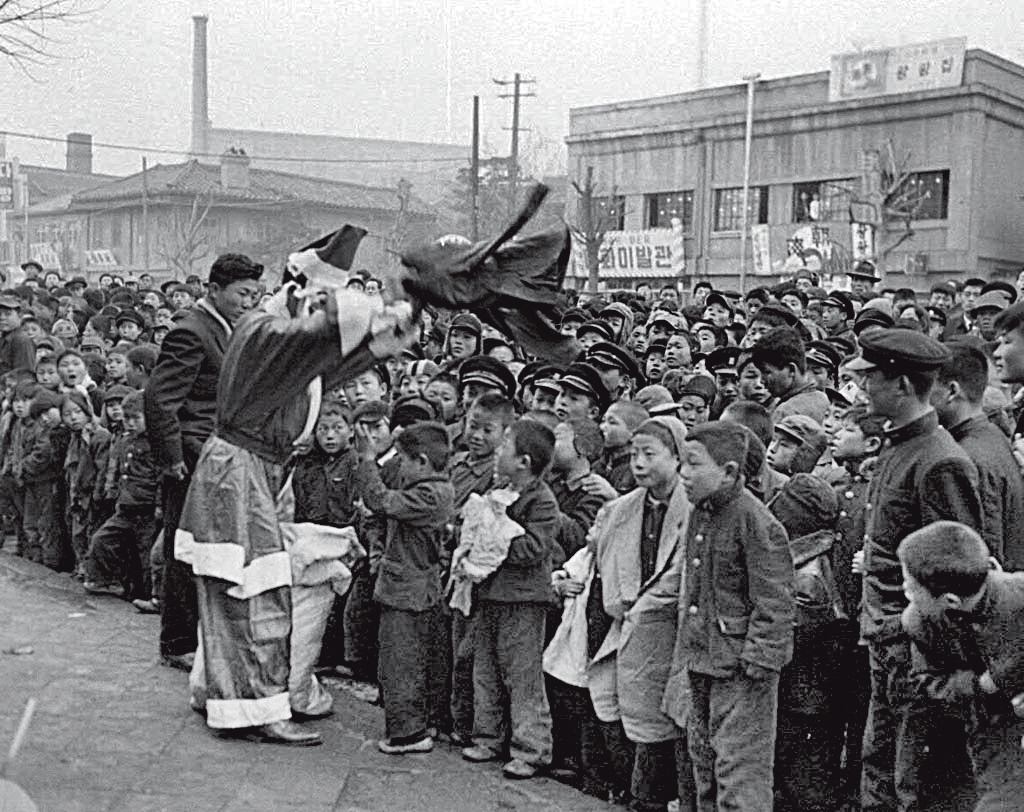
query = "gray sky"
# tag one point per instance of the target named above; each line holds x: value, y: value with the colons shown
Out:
x: 378, y: 68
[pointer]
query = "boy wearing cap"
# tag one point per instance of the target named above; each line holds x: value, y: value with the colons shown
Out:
x: 619, y: 371
x: 812, y: 697
x: 922, y: 476
x: 736, y: 621
x: 118, y: 554
x: 367, y: 387
x: 582, y: 394
x: 18, y: 437
x: 797, y: 446
x: 42, y: 470
x: 836, y: 315
x: 654, y: 361
x: 17, y: 351
x: 965, y: 617
x: 462, y: 340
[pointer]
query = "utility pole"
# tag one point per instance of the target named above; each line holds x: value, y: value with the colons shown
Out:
x: 145, y: 217
x: 513, y: 167
x: 474, y: 173
x: 747, y: 140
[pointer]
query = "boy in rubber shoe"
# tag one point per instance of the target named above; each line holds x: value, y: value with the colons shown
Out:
x: 409, y: 589
x: 509, y: 700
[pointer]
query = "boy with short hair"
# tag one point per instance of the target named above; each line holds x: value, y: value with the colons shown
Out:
x: 578, y: 445
x: 617, y: 427
x: 508, y: 681
x: 967, y: 620
x: 472, y: 471
x: 738, y: 628
x: 855, y: 445
x: 408, y: 587
x: 46, y: 373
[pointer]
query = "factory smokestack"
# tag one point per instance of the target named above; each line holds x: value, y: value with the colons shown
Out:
x: 200, y: 98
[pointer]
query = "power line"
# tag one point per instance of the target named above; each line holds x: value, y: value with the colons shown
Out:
x: 279, y: 158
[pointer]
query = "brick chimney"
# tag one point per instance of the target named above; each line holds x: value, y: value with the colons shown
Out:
x: 200, y: 94
x: 234, y: 169
x: 79, y: 153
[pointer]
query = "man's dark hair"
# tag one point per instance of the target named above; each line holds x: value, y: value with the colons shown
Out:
x: 975, y: 282
x: 968, y: 366
x: 1010, y: 319
x: 702, y: 284
x: 780, y: 347
x: 494, y: 403
x: 758, y: 295
x: 905, y: 293
x: 535, y: 441
x: 427, y: 439
x: 228, y: 268
x: 946, y: 557
x: 143, y: 355
x: 752, y: 415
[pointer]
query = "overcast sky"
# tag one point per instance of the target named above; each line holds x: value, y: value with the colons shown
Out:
x: 379, y: 68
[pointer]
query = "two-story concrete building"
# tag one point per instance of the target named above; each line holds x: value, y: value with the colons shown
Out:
x: 923, y: 144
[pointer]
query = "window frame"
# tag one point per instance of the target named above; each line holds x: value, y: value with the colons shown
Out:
x: 838, y: 193
x: 758, y: 203
x: 652, y: 203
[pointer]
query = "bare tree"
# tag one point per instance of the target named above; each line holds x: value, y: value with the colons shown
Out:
x: 592, y: 223
x: 186, y: 241
x: 25, y: 36
x: 889, y: 198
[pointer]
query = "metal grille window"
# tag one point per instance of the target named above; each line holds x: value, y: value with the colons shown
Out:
x: 663, y: 206
x: 610, y: 213
x: 729, y: 208
x: 928, y: 194
x: 822, y: 200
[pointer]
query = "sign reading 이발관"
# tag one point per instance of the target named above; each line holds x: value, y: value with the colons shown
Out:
x: 634, y: 254
x: 905, y: 69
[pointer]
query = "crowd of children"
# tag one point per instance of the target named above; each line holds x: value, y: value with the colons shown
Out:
x: 640, y: 573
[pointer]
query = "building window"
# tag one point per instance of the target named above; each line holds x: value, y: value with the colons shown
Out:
x: 729, y: 208
x: 925, y: 195
x: 663, y: 206
x: 610, y: 213
x: 822, y: 200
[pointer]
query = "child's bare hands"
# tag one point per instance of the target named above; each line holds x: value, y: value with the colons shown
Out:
x: 595, y: 485
x: 858, y: 562
x: 568, y: 587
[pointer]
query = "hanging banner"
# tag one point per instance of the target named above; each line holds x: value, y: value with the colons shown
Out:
x: 760, y: 246
x: 862, y: 241
x: 653, y: 253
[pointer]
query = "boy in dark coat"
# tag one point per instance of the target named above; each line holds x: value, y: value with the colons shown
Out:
x: 967, y: 620
x: 739, y: 629
x: 118, y: 559
x: 508, y: 680
x: 408, y: 586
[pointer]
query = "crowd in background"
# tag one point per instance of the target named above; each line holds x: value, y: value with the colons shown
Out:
x: 702, y: 597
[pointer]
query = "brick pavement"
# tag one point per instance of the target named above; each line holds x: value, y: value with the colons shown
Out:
x: 112, y: 729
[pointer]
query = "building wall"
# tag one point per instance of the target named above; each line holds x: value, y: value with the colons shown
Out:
x: 695, y: 142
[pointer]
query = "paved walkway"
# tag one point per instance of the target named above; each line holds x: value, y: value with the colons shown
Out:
x: 112, y: 729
